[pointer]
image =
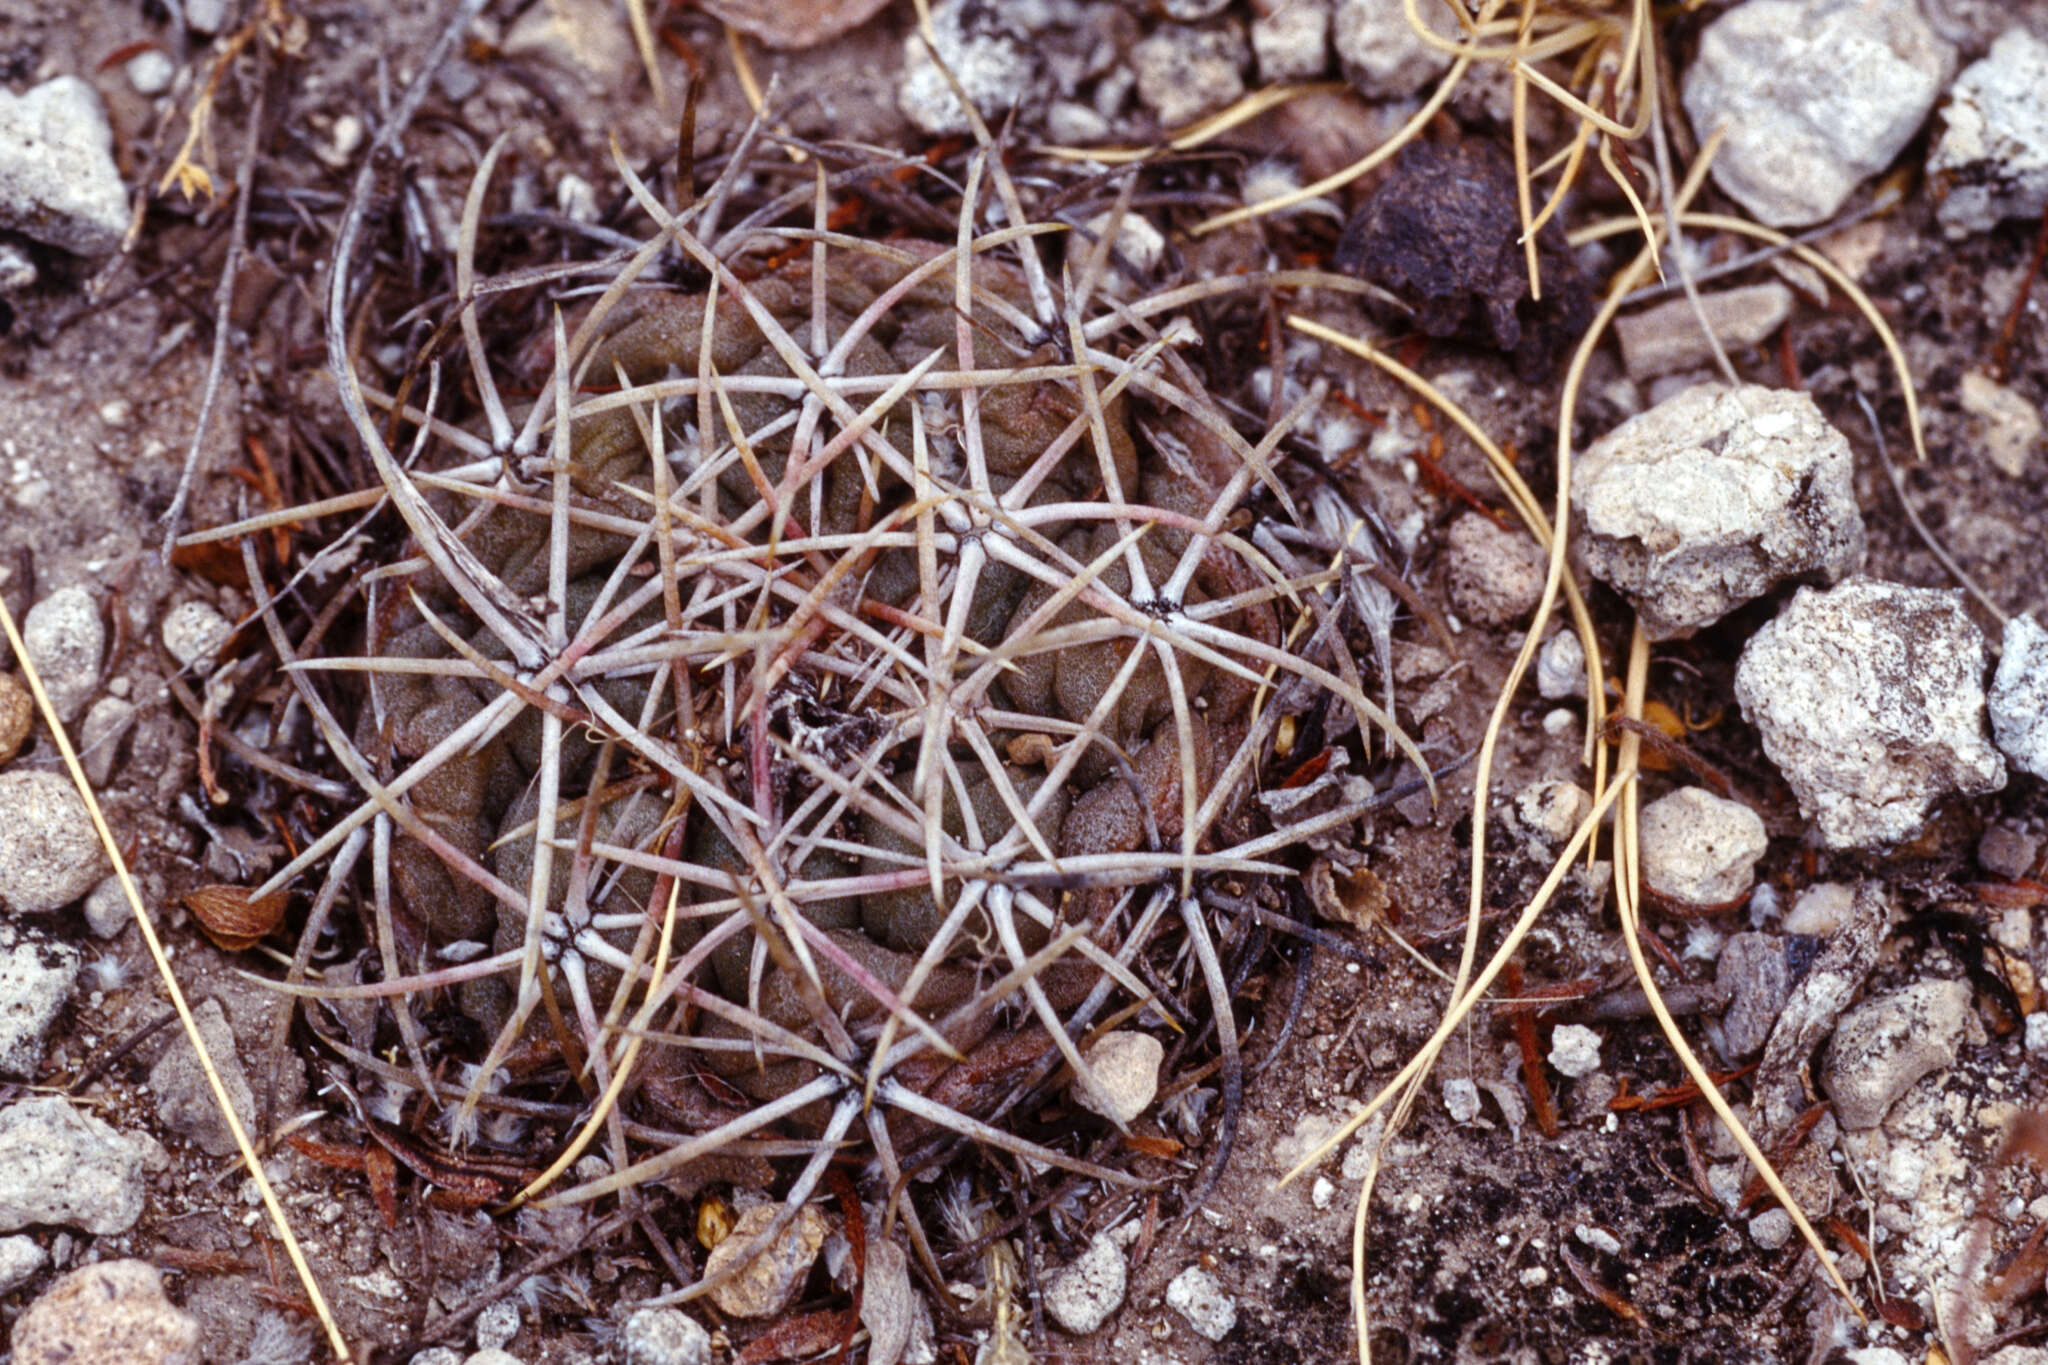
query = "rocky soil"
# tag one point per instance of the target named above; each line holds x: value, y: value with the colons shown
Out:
x: 1844, y: 812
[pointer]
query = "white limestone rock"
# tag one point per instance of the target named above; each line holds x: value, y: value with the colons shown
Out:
x: 1869, y: 697
x: 1713, y: 497
x: 1382, y: 55
x: 1700, y: 848
x: 1991, y: 161
x: 1290, y: 39
x: 1186, y: 72
x: 1817, y: 95
x: 2019, y: 696
x: 58, y: 180
x: 66, y: 641
x: 37, y: 974
x: 1200, y: 1298
x: 986, y: 54
x: 665, y: 1336
x: 1883, y: 1046
x: 1082, y: 1296
x: 50, y: 855
x: 61, y: 1165
x: 1574, y: 1050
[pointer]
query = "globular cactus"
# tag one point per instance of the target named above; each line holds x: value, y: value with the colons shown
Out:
x: 847, y: 679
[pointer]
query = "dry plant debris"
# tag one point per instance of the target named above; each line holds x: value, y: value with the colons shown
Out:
x: 826, y: 682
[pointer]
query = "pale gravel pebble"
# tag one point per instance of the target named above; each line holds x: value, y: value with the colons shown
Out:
x: 21, y: 1256
x: 493, y: 1357
x: 1496, y: 575
x: 1290, y: 39
x: 1753, y: 973
x: 2007, y: 852
x: 65, y: 639
x: 990, y: 60
x: 107, y: 911
x: 1125, y: 1066
x: 1083, y: 1295
x: 2018, y: 1355
x: 1700, y: 848
x: 1991, y: 161
x: 1201, y: 1299
x: 1184, y: 73
x: 889, y: 1304
x: 1379, y: 50
x: 150, y: 72
x: 1821, y: 909
x: 206, y: 16
x: 1771, y: 1229
x: 185, y: 1102
x: 1668, y: 337
x: 2019, y: 696
x: 61, y: 1165
x: 665, y: 1336
x: 1869, y: 698
x: 765, y: 1285
x: 37, y: 976
x: 437, y: 1355
x: 1461, y: 1099
x: 58, y: 180
x: 17, y: 717
x: 1552, y: 809
x: 1817, y: 95
x: 109, y: 1313
x: 2005, y: 424
x: 50, y: 855
x: 194, y: 631
x: 1885, y: 1045
x: 1561, y: 667
x: 1574, y: 1050
x: 497, y: 1325
x: 99, y: 737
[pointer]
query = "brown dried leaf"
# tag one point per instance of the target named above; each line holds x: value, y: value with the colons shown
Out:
x: 230, y: 918
x: 794, y: 23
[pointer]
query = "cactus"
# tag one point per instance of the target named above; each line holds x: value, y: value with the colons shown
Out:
x: 841, y: 689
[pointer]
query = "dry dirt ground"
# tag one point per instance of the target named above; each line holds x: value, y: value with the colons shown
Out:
x: 1490, y: 1239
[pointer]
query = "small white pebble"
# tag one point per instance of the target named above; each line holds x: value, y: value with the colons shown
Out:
x: 1561, y: 667
x: 150, y: 72
x: 194, y: 632
x: 1600, y: 1239
x: 1461, y: 1099
x: 1197, y: 1296
x: 2037, y: 1032
x: 497, y: 1325
x: 1322, y: 1192
x: 1574, y: 1050
x: 1771, y: 1229
x: 576, y: 199
x: 347, y: 136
